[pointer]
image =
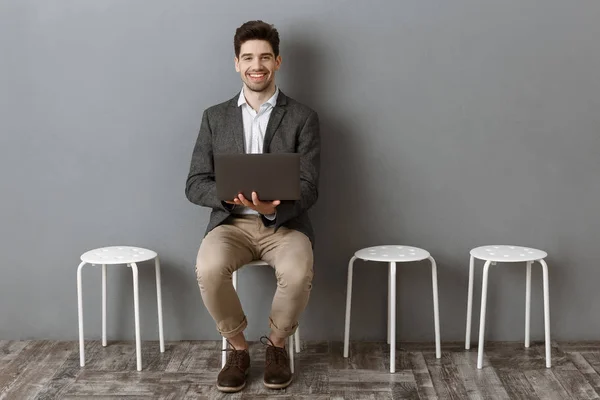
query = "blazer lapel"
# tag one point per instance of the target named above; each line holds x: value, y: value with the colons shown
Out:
x: 236, y: 126
x: 274, y: 121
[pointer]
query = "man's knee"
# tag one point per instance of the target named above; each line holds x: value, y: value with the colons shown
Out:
x: 213, y: 269
x: 295, y: 273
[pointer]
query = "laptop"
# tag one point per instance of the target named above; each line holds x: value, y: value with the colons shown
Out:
x: 273, y: 176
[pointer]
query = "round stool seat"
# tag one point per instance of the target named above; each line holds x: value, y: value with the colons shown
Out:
x: 392, y: 253
x: 117, y: 255
x: 508, y: 253
x: 257, y: 262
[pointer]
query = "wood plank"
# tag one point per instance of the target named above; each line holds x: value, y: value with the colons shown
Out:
x: 362, y: 355
x: 314, y: 347
x: 10, y: 349
x: 103, y: 397
x: 592, y: 377
x: 545, y: 385
x: 152, y: 358
x: 202, y: 356
x: 582, y: 346
x: 310, y: 379
x: 362, y: 375
x: 350, y: 395
x: 336, y: 358
x: 405, y: 390
x: 445, y: 377
x: 425, y: 387
x: 116, y: 356
x: 180, y: 352
x: 487, y: 385
x: 574, y: 382
x: 467, y: 374
x: 209, y: 392
x: 593, y: 360
x: 175, y: 391
x: 32, y: 354
x: 124, y: 388
x: 67, y: 373
x: 516, y: 385
x: 37, y: 374
x: 358, y: 384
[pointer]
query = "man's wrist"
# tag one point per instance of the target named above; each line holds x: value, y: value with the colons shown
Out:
x: 271, y: 216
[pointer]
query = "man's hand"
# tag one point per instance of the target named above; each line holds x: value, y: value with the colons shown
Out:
x: 262, y: 207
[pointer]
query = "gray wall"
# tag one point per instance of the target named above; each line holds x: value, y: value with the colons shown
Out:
x: 446, y: 125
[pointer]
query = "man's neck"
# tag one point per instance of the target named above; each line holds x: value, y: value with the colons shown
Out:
x: 257, y: 99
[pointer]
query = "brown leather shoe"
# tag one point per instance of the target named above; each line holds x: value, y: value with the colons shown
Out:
x: 232, y: 377
x: 277, y: 367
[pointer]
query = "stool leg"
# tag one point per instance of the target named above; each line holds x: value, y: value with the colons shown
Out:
x: 527, y: 303
x: 546, y: 312
x: 223, y: 353
x: 392, y: 301
x: 80, y: 315
x: 469, y: 304
x: 436, y: 309
x: 104, y: 305
x: 136, y: 309
x: 486, y: 269
x: 348, y: 307
x: 297, y: 338
x: 388, y: 305
x: 161, y: 336
x: 291, y: 352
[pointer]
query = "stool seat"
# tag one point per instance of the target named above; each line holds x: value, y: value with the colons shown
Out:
x: 117, y: 255
x: 392, y: 253
x: 508, y: 253
x: 257, y: 262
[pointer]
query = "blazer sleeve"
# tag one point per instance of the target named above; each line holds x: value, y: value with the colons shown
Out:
x: 200, y: 187
x: 309, y: 148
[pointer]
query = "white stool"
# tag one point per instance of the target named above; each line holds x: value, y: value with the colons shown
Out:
x: 123, y: 255
x: 510, y: 254
x: 291, y: 339
x: 393, y: 254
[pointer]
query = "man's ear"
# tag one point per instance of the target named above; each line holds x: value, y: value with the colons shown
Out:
x: 237, y: 64
x: 277, y: 62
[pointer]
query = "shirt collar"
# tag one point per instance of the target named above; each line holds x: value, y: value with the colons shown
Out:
x: 272, y: 101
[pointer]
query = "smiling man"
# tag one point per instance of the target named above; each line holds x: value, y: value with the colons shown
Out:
x: 260, y: 119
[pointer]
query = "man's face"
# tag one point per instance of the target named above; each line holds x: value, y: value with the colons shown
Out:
x: 257, y: 65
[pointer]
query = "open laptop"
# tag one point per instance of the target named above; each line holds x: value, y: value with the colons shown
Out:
x: 273, y: 176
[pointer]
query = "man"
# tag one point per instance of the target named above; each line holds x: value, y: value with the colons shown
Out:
x: 260, y: 119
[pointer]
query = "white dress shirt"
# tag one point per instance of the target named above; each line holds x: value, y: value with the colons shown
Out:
x: 255, y: 127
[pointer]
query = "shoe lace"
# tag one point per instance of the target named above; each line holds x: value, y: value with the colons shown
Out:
x: 277, y: 355
x: 235, y: 358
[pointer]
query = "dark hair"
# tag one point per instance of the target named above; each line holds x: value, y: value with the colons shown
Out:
x: 256, y: 30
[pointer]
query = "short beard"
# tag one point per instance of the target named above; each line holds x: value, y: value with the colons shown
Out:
x: 258, y: 89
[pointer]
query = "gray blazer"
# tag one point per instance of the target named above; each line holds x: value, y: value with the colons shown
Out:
x: 292, y: 128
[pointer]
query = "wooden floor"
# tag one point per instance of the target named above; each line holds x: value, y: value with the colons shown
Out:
x: 187, y: 370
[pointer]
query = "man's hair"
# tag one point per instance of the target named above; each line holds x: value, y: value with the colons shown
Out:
x: 256, y: 30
